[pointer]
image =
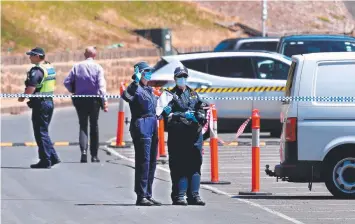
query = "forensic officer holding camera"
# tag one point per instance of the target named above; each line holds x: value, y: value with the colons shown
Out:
x: 185, y: 116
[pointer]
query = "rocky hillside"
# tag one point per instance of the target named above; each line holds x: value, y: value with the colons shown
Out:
x: 290, y: 16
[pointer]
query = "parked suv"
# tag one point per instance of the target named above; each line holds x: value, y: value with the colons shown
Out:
x: 235, y: 74
x: 250, y: 43
x: 303, y: 44
x: 318, y: 137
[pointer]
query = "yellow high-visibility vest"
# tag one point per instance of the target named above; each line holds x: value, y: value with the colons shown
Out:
x: 47, y: 85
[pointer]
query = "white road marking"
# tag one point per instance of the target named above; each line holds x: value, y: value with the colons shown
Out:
x: 213, y: 189
x: 329, y: 218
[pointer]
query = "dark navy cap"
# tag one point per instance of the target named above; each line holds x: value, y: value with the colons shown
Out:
x: 143, y: 66
x: 36, y: 51
x: 181, y: 71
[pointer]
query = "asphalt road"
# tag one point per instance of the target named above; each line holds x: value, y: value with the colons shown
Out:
x: 102, y: 193
x: 72, y: 192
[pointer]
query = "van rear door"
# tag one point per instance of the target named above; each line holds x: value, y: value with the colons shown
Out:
x: 321, y: 123
x: 289, y: 107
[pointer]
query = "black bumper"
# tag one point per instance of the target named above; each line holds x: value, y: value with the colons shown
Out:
x: 301, y: 172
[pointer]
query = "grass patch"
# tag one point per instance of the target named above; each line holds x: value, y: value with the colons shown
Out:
x: 337, y: 17
x: 324, y: 19
x: 62, y: 24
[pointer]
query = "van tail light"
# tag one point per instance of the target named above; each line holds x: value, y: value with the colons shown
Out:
x: 291, y: 129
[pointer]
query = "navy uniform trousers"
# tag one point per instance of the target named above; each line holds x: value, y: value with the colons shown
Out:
x: 145, y: 140
x: 185, y: 160
x: 42, y: 111
x: 144, y: 132
x: 184, y: 147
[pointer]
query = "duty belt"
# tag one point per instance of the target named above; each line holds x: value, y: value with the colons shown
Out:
x: 144, y: 116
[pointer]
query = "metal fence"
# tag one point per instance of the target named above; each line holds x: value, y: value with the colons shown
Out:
x: 102, y: 55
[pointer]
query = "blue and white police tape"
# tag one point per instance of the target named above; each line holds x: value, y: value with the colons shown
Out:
x: 347, y: 99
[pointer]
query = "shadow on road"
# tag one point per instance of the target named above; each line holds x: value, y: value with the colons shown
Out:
x: 115, y: 205
x: 285, y: 197
x: 15, y: 167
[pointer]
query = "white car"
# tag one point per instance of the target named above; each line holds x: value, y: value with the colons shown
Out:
x: 318, y: 138
x: 232, y: 74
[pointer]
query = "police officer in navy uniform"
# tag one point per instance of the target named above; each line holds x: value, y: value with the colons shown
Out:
x: 144, y: 131
x: 41, y: 80
x: 185, y: 116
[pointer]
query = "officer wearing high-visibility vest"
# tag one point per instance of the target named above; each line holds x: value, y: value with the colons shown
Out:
x: 41, y: 79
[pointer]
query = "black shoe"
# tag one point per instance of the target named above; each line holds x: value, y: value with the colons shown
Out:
x: 155, y: 202
x: 196, y: 201
x: 84, y: 158
x: 144, y: 202
x: 41, y: 165
x: 55, y: 161
x: 180, y: 202
x: 95, y: 159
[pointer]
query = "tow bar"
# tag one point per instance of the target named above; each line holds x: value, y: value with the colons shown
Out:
x: 269, y: 172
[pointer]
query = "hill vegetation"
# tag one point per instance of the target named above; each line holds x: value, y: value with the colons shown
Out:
x: 59, y: 26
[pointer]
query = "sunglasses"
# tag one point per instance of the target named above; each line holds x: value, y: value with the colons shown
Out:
x: 147, y: 72
x: 181, y: 76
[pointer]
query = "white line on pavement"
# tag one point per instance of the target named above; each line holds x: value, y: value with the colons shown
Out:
x: 302, y: 205
x: 213, y: 189
x: 328, y: 218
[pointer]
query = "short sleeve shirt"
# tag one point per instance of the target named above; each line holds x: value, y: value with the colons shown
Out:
x: 35, y: 77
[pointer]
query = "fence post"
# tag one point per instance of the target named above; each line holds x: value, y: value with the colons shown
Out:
x: 255, y: 181
x: 214, y: 149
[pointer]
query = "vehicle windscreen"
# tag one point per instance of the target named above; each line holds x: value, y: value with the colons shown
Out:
x: 160, y: 64
x: 304, y: 47
x: 265, y: 46
x: 225, y: 45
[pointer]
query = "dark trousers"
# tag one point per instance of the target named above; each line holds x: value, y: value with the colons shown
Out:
x: 185, y: 160
x: 88, y: 109
x: 145, y: 139
x: 42, y: 111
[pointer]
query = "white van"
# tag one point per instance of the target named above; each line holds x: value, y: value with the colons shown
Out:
x: 318, y: 137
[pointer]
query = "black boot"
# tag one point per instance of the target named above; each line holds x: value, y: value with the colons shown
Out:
x: 41, y: 165
x: 95, y: 159
x: 196, y: 201
x: 155, y: 202
x: 55, y: 161
x: 144, y: 202
x: 180, y: 202
x: 84, y: 157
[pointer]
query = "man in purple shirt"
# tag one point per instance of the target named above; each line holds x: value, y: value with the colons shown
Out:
x: 87, y: 78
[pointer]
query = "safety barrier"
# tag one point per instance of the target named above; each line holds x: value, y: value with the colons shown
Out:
x: 120, y: 120
x: 255, y: 181
x: 212, y: 122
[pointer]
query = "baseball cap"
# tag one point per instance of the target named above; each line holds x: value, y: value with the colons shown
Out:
x: 180, y: 71
x: 36, y: 51
x: 142, y: 66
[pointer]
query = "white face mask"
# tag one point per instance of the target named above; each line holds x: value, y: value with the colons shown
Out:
x: 181, y: 81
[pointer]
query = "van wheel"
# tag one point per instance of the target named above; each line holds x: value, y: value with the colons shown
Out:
x: 340, y: 176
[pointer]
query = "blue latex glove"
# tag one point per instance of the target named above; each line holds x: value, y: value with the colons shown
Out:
x: 167, y: 109
x: 190, y: 116
x: 137, y: 75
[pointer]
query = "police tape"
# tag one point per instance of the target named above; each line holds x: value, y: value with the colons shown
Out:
x: 236, y: 98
